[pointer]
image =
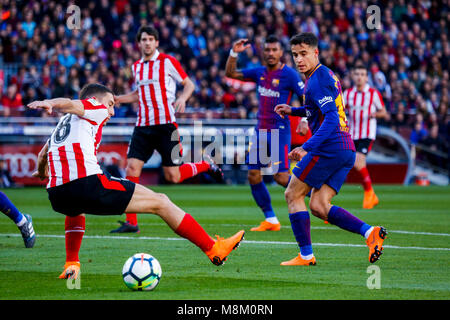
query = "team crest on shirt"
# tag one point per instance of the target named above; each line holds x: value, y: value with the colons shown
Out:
x: 275, y: 82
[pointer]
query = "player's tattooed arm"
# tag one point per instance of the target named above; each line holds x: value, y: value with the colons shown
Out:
x: 42, y: 164
x: 231, y: 65
x: 64, y: 105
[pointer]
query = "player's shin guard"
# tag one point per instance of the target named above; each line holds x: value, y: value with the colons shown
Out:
x: 345, y: 220
x: 74, y: 227
x: 189, y: 170
x: 131, y: 218
x: 301, y: 226
x: 191, y: 230
x: 262, y: 199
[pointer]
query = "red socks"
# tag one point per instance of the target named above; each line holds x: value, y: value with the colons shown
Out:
x: 132, y: 217
x: 366, y: 181
x: 74, y: 227
x: 189, y: 170
x: 191, y: 230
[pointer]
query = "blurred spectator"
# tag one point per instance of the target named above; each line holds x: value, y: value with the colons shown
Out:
x: 408, y: 56
x: 11, y: 101
x: 5, y: 177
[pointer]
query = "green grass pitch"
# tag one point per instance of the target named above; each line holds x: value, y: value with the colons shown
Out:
x: 415, y: 263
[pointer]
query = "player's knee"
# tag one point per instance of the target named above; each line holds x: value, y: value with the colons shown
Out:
x: 254, y: 177
x: 318, y: 208
x: 290, y: 195
x: 171, y: 177
x: 281, y: 178
x: 160, y: 202
x: 133, y: 170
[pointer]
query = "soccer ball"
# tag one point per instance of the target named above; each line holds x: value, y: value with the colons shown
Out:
x: 141, y: 272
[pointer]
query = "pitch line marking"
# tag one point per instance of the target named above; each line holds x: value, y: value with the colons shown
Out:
x: 244, y: 241
x: 283, y: 227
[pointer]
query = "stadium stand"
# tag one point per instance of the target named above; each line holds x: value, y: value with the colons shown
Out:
x: 408, y: 57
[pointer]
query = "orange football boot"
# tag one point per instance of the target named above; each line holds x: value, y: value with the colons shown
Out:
x: 375, y: 243
x: 71, y: 270
x: 299, y: 261
x: 222, y: 248
x: 267, y: 226
x: 370, y: 199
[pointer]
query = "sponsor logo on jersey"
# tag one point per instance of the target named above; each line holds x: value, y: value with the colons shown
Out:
x: 268, y: 92
x: 325, y: 100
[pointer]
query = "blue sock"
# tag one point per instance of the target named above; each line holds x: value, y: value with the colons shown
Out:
x: 8, y: 208
x: 301, y: 226
x: 345, y: 220
x: 262, y: 198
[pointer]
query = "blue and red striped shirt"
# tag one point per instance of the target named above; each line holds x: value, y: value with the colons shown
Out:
x: 324, y: 107
x: 274, y: 87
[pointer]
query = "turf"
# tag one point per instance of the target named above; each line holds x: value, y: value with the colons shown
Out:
x: 415, y: 263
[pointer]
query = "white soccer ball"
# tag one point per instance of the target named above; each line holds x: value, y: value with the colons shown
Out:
x: 141, y: 272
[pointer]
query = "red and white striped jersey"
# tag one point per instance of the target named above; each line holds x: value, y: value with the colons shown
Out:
x: 73, y: 145
x: 360, y: 105
x: 156, y: 81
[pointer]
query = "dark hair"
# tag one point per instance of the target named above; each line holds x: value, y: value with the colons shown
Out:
x: 308, y: 38
x: 273, y: 39
x: 360, y: 66
x: 94, y: 89
x: 148, y: 30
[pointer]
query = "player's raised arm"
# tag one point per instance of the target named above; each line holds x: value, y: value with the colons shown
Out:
x: 231, y: 66
x: 61, y: 104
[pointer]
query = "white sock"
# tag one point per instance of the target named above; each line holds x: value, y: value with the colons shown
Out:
x: 308, y: 257
x: 368, y: 232
x: 272, y: 220
x: 22, y: 221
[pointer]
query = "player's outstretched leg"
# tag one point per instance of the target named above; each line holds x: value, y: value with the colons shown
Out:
x: 22, y: 221
x: 322, y: 208
x: 146, y: 201
x: 74, y: 231
x: 300, y: 222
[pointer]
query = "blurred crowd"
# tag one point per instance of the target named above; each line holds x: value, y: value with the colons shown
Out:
x: 407, y: 56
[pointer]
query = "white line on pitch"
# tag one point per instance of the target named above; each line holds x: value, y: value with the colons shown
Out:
x: 244, y: 241
x: 283, y: 227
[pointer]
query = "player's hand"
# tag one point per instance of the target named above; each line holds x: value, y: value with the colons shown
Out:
x: 41, y: 105
x: 179, y: 105
x: 240, y: 46
x: 117, y: 101
x: 41, y: 174
x: 297, y: 154
x: 283, y: 109
x: 302, y: 128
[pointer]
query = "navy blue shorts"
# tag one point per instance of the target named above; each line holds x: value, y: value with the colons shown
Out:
x: 317, y: 170
x: 267, y: 149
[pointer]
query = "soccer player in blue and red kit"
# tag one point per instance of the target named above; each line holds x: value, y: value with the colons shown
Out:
x: 325, y: 159
x: 270, y: 144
